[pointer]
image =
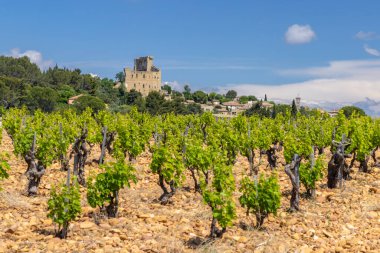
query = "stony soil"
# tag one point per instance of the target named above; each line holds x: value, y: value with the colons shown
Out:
x: 341, y: 220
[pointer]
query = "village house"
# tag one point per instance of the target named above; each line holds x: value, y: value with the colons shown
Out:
x: 232, y: 105
x: 207, y: 108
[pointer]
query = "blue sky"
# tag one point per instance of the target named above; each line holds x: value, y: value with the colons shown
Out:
x: 282, y: 48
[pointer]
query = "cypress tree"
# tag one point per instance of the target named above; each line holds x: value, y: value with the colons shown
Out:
x: 294, y: 109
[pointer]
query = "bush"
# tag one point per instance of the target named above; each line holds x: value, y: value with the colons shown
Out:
x: 64, y: 206
x: 310, y: 175
x: 4, y: 166
x: 106, y: 187
x: 219, y: 196
x: 260, y: 198
x: 96, y: 104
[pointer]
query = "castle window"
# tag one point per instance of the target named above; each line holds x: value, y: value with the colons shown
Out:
x: 137, y: 75
x: 134, y: 86
x: 143, y: 86
x: 144, y: 76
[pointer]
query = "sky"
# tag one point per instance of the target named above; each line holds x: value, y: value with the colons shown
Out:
x: 321, y: 50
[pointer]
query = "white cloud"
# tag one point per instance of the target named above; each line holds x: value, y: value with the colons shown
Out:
x: 371, y: 51
x: 34, y: 56
x: 336, y: 90
x: 340, y: 81
x: 367, y: 35
x: 94, y: 75
x: 175, y: 85
x: 299, y: 34
x: 350, y: 69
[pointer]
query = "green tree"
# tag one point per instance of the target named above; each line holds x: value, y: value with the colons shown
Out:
x: 19, y: 68
x: 133, y: 96
x: 200, y: 97
x: 65, y: 92
x: 168, y: 88
x: 212, y: 96
x: 294, y: 109
x: 120, y: 76
x: 349, y: 110
x: 106, y: 91
x: 187, y: 92
x: 231, y: 94
x: 43, y: 98
x: 274, y: 112
x: 194, y: 109
x: 176, y: 94
x: 154, y: 101
x: 83, y: 102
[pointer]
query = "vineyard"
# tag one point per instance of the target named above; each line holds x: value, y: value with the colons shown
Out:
x: 138, y: 183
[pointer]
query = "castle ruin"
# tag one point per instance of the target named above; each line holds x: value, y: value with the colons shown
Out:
x: 144, y: 77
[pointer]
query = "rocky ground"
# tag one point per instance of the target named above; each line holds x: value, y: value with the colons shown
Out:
x: 341, y: 220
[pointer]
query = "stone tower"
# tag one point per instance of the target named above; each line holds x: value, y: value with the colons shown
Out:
x: 144, y: 77
x: 298, y: 102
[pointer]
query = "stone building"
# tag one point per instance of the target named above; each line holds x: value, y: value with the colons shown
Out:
x: 144, y: 77
x: 298, y: 102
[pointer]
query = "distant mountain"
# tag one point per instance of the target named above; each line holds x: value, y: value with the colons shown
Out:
x: 370, y: 106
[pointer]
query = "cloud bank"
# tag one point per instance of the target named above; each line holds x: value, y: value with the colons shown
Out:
x: 34, y: 56
x: 299, y: 34
x: 340, y: 81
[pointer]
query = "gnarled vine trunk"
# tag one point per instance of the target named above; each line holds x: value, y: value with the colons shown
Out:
x: 335, y: 170
x: 364, y: 165
x: 164, y: 198
x: 63, y: 231
x: 81, y: 152
x: 113, y: 206
x: 310, y: 193
x: 215, y: 232
x: 197, y: 187
x: 108, y: 138
x: 260, y: 217
x: 34, y: 174
x: 292, y: 170
x: 35, y: 170
x: 373, y: 155
x: 272, y: 157
x: 337, y: 167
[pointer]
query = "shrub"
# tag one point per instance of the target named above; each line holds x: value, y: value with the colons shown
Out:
x: 64, y: 206
x: 309, y: 175
x: 219, y: 196
x: 4, y: 166
x: 106, y: 187
x: 260, y: 198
